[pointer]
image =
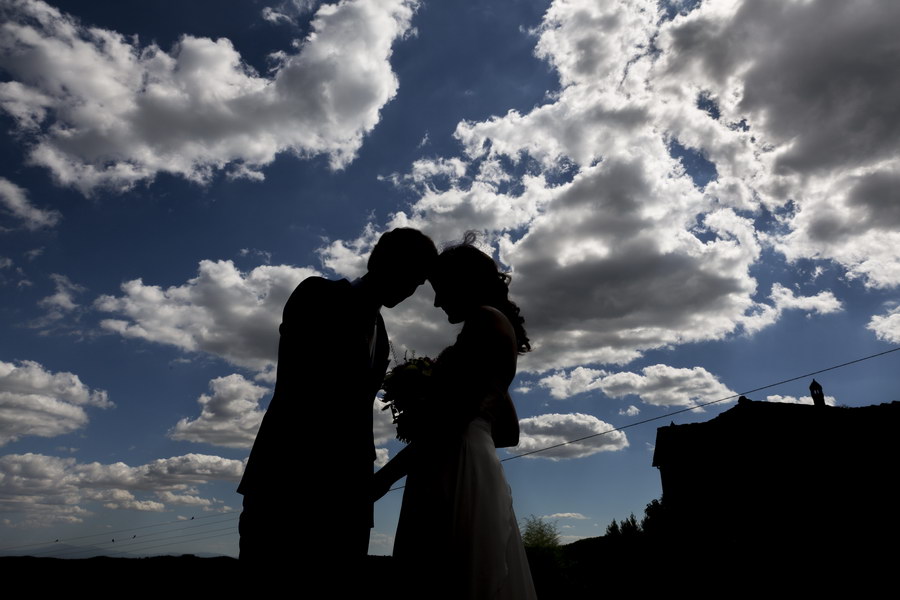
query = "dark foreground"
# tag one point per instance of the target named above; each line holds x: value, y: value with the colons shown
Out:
x: 591, y: 568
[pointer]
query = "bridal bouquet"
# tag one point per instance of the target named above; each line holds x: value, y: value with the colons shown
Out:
x: 406, y: 388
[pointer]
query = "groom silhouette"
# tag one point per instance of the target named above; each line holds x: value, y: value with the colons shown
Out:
x: 306, y: 486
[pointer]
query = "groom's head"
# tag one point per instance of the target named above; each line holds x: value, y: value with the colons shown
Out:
x: 400, y: 262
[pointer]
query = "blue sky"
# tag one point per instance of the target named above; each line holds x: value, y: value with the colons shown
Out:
x: 694, y: 199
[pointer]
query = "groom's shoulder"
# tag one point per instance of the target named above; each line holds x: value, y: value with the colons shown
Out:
x: 319, y: 291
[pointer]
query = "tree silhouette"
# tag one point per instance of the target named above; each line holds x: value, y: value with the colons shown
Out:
x: 538, y: 533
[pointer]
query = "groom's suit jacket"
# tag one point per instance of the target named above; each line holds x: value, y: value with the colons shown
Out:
x: 317, y: 432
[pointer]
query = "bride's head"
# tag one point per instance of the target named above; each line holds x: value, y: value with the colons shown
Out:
x: 465, y: 278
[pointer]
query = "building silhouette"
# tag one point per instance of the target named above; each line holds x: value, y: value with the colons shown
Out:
x: 789, y: 479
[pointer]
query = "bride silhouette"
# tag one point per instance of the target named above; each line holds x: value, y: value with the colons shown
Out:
x: 457, y: 536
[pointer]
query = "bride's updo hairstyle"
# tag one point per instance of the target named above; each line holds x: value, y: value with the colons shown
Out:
x: 477, y: 277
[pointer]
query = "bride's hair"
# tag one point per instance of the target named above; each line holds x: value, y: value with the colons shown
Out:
x: 466, y: 266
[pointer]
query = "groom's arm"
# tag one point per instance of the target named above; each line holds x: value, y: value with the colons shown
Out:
x: 391, y: 473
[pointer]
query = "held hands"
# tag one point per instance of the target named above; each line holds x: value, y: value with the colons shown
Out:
x: 380, y: 485
x: 390, y: 473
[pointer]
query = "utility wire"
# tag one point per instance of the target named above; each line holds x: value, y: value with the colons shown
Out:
x: 229, y: 530
x: 696, y: 406
x: 117, y: 531
x: 136, y: 542
x: 209, y: 537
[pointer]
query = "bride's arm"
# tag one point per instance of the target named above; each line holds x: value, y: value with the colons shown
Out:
x: 391, y: 473
x: 495, y: 355
x: 505, y: 424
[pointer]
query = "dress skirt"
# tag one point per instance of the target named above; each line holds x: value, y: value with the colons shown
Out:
x: 457, y: 536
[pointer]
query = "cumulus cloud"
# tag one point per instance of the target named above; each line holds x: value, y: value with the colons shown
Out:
x: 816, y: 105
x: 40, y: 490
x: 577, y: 381
x: 547, y: 430
x: 631, y: 411
x: 36, y: 401
x: 615, y: 248
x: 887, y: 326
x: 829, y: 400
x: 187, y: 499
x: 14, y: 202
x: 122, y: 500
x: 625, y: 253
x: 99, y: 108
x: 229, y: 417
x: 660, y: 385
x: 222, y: 311
x: 784, y: 299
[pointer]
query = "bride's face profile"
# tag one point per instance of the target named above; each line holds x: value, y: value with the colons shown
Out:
x: 447, y: 297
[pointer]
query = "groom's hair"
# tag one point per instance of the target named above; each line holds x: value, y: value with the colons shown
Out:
x: 405, y: 248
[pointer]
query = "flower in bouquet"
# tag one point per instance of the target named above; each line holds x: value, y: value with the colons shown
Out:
x: 407, y: 389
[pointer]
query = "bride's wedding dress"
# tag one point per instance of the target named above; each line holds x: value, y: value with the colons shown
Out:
x: 457, y: 536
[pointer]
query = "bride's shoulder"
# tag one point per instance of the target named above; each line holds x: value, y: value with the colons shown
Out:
x: 488, y: 318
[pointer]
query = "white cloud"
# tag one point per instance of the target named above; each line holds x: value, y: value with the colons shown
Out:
x: 829, y: 400
x: 577, y: 381
x: 568, y: 515
x: 173, y: 499
x: 382, y: 456
x: 222, y: 311
x: 822, y: 303
x: 383, y: 423
x: 887, y: 326
x: 274, y: 16
x: 34, y: 253
x: 102, y: 109
x: 40, y: 490
x: 615, y: 266
x: 35, y: 401
x: 811, y: 82
x: 14, y: 201
x: 286, y: 12
x: 63, y: 299
x: 659, y: 385
x: 784, y: 299
x: 229, y: 417
x: 122, y: 500
x: 662, y: 385
x: 631, y: 411
x: 547, y: 430
x: 614, y: 248
x: 348, y: 258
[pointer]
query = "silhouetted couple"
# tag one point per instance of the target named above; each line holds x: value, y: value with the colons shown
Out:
x: 309, y: 487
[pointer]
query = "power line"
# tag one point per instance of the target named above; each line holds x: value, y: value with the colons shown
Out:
x: 230, y: 532
x: 118, y: 531
x: 135, y: 543
x: 188, y: 537
x: 697, y: 406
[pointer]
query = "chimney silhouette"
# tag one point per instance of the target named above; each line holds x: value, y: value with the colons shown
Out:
x: 818, y: 396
